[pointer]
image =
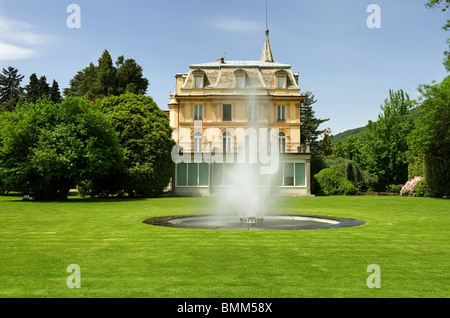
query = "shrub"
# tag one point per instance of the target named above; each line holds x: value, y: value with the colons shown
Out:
x: 416, y: 167
x: 395, y: 188
x: 421, y: 189
x: 332, y: 181
x: 2, y: 188
x: 361, y: 179
x: 409, y: 189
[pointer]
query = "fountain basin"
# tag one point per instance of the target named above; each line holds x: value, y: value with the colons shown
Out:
x: 270, y: 222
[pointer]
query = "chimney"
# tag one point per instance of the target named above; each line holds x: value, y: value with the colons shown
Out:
x: 222, y: 59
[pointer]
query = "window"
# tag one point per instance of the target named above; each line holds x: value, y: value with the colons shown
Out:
x: 288, y: 174
x: 182, y: 174
x: 198, y: 112
x: 198, y: 81
x: 226, y: 112
x: 282, y: 82
x: 226, y: 142
x: 252, y: 113
x: 198, y: 140
x: 240, y: 80
x: 291, y: 175
x: 282, y: 142
x: 300, y: 180
x: 281, y: 113
x: 192, y: 174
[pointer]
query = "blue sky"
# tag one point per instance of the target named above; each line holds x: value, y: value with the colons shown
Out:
x: 348, y: 66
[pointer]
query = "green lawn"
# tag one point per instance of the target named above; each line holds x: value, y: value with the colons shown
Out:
x: 119, y: 256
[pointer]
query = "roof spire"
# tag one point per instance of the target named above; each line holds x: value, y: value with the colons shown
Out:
x: 267, y: 55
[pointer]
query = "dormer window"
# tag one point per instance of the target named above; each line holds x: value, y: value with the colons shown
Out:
x: 239, y: 77
x: 199, y: 78
x: 198, y: 81
x: 282, y: 81
x: 240, y: 81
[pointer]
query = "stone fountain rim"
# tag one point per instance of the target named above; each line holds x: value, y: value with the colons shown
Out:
x: 165, y: 220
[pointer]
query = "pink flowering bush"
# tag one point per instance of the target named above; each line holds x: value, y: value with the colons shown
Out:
x: 410, y: 186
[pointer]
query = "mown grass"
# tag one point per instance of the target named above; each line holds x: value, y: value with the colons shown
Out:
x: 119, y: 256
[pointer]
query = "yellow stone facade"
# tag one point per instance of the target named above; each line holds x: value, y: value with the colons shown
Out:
x: 214, y: 106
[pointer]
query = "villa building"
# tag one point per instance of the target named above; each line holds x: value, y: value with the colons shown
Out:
x: 227, y: 113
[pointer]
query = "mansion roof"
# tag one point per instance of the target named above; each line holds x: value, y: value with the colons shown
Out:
x: 230, y: 77
x: 221, y: 74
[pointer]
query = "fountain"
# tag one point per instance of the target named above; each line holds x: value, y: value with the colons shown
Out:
x: 248, y: 202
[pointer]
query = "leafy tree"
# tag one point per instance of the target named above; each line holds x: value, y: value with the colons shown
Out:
x: 105, y: 79
x: 310, y: 124
x: 145, y: 136
x: 47, y: 148
x: 385, y: 149
x: 10, y: 89
x: 84, y: 83
x: 444, y: 6
x: 431, y: 137
x: 129, y: 77
x: 349, y: 148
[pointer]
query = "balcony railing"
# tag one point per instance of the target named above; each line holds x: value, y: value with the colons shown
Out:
x: 211, y: 147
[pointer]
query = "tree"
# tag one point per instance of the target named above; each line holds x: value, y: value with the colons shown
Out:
x: 129, y: 77
x: 385, y: 149
x: 106, y: 73
x: 431, y: 137
x: 349, y: 148
x: 44, y: 88
x: 146, y: 138
x: 84, y: 83
x: 106, y: 80
x: 38, y: 88
x: 444, y: 6
x: 10, y: 89
x: 32, y: 90
x: 54, y: 94
x: 48, y: 148
x: 325, y: 144
x: 309, y: 123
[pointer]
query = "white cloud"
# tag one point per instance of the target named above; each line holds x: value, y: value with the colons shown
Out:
x: 13, y: 52
x: 233, y: 24
x: 19, y: 40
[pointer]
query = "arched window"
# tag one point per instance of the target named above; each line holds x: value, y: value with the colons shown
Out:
x: 198, y: 140
x: 226, y: 139
x: 282, y: 142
